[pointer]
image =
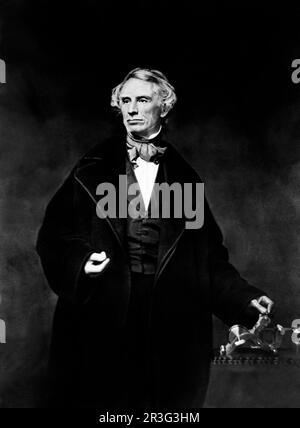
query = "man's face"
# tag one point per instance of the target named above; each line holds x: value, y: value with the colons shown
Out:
x: 141, y: 107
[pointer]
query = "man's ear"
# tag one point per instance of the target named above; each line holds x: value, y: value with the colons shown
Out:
x: 163, y: 110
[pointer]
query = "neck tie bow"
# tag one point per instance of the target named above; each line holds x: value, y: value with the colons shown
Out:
x: 145, y: 149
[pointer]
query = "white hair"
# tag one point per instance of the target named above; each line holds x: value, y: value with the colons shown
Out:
x: 166, y: 90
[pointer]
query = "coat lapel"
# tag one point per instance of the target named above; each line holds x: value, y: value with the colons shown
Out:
x: 105, y: 166
x: 173, y: 228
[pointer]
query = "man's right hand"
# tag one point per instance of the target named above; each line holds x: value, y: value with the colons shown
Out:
x: 96, y: 264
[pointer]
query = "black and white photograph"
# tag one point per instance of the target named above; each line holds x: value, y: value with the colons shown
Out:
x: 149, y: 207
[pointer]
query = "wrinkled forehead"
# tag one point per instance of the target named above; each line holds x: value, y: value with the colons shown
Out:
x: 137, y: 88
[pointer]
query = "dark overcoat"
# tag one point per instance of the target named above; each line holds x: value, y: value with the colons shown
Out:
x: 194, y: 279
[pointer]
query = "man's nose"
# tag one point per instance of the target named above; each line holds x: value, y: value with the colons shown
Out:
x: 133, y: 109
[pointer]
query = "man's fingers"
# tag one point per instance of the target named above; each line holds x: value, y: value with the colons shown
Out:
x: 98, y: 257
x: 95, y: 269
x: 239, y: 342
x: 259, y: 307
x: 264, y: 305
x: 92, y: 268
x: 99, y: 268
x: 266, y: 301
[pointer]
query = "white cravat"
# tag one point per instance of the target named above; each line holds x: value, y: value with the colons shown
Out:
x: 146, y: 173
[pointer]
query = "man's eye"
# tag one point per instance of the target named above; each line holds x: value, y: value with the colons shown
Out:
x: 125, y: 101
x: 143, y: 100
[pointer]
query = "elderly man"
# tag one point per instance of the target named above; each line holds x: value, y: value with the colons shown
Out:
x: 133, y: 323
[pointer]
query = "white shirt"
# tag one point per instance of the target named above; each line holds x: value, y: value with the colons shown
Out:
x: 146, y: 173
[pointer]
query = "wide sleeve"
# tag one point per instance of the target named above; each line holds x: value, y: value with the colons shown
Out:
x: 63, y: 245
x: 231, y: 294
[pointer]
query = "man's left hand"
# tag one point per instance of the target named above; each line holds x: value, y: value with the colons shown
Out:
x: 264, y: 305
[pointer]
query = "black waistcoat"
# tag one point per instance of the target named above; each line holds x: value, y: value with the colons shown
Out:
x: 143, y: 233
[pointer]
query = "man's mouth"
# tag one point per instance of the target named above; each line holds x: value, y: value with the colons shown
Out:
x: 134, y: 121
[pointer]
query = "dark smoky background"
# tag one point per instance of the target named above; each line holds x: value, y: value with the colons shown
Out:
x: 236, y: 121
